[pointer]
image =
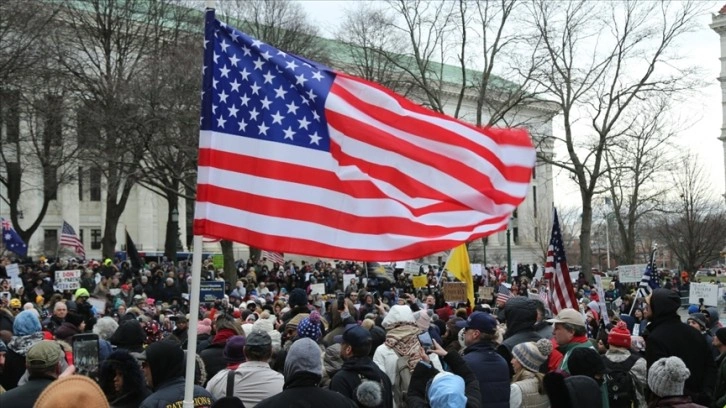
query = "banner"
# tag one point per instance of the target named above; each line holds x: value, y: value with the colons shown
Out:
x: 68, y: 280
x: 317, y: 289
x: 486, y: 293
x: 707, y: 291
x: 631, y: 273
x: 13, y: 272
x: 455, y: 292
x: 218, y: 261
x: 209, y: 291
x: 420, y: 281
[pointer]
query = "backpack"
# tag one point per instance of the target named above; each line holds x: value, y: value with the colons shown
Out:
x: 403, y: 379
x: 621, y: 388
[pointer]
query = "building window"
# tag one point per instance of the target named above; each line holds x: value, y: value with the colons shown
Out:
x: 95, y: 239
x: 51, y: 180
x: 534, y: 200
x: 515, y: 235
x: 95, y: 189
x: 80, y: 184
x: 10, y: 116
x: 84, y: 126
x: 80, y: 234
x: 50, y: 240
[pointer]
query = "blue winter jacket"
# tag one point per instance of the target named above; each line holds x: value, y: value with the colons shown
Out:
x: 492, y: 372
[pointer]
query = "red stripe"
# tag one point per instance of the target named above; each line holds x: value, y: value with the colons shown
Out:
x: 350, y: 127
x: 372, y: 135
x: 261, y: 167
x: 507, y: 137
x: 295, y: 210
x: 314, y: 248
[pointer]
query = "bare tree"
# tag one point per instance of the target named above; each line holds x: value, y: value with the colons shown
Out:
x: 600, y: 58
x: 635, y: 165
x: 104, y: 49
x: 366, y: 36
x: 693, y: 229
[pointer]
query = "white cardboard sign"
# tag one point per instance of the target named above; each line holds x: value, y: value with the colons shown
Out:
x: 707, y: 291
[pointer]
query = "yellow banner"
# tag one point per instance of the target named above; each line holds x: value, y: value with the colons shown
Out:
x: 420, y: 281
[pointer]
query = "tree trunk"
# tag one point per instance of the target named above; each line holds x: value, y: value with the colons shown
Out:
x: 230, y: 271
x: 585, y: 237
x: 255, y: 253
x: 172, y: 228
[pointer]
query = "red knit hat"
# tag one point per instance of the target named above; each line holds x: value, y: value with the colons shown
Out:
x: 619, y: 336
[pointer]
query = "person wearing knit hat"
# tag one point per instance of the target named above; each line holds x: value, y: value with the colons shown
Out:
x: 624, y: 365
x: 527, y: 389
x: 234, y: 356
x: 666, y: 379
x: 292, y: 325
x: 70, y: 392
x: 310, y: 327
x: 699, y: 322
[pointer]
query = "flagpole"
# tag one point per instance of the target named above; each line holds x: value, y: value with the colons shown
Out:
x: 198, y: 243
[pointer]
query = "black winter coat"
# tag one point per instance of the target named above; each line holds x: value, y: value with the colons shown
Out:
x: 25, y: 395
x: 171, y: 394
x: 347, y: 380
x: 213, y: 357
x: 667, y: 336
x: 303, y: 392
x: 423, y: 373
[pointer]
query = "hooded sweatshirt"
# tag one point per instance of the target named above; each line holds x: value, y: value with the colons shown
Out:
x: 349, y: 380
x: 520, y: 314
x: 129, y: 336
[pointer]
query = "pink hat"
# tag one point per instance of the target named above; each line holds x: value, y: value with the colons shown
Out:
x: 150, y: 301
x: 204, y: 327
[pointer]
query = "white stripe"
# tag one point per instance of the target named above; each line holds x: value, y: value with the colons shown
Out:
x: 513, y: 155
x: 284, y: 227
x: 465, y: 156
x: 440, y: 181
x: 319, y: 196
x: 311, y: 158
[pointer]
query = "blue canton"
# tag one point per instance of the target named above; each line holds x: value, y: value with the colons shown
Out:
x: 251, y: 89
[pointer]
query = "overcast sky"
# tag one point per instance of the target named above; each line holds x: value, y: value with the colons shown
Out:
x: 704, y: 108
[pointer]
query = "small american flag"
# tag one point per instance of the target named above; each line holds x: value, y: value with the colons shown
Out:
x: 69, y: 238
x: 649, y: 282
x: 299, y: 158
x: 556, y: 270
x: 503, y: 294
x: 274, y: 257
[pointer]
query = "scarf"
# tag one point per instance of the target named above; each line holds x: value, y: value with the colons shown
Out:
x: 223, y: 335
x: 403, y: 339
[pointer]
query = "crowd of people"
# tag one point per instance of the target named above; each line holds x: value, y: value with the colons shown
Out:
x: 371, y: 342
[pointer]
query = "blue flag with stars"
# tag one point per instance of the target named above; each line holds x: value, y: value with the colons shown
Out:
x: 12, y: 240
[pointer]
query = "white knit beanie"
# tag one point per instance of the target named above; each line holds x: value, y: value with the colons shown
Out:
x: 667, y: 377
x: 532, y: 355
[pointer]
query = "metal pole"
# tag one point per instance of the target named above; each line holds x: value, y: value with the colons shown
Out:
x: 607, y: 241
x: 193, y: 321
x: 509, y: 255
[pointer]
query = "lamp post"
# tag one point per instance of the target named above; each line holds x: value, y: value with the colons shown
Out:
x: 174, y: 234
x: 509, y: 247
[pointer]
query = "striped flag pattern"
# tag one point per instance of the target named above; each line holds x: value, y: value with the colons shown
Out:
x: 274, y: 257
x: 649, y: 282
x: 503, y: 294
x: 556, y: 270
x: 298, y: 158
x: 69, y: 238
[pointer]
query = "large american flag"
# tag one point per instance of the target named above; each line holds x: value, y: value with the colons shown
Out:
x: 556, y: 270
x: 649, y: 281
x: 69, y: 238
x: 295, y: 157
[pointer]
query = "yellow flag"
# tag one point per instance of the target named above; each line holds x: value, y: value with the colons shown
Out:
x: 459, y: 266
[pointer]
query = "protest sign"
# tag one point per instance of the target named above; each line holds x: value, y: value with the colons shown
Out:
x: 412, y: 268
x: 476, y: 269
x: 68, y: 280
x: 601, y: 303
x: 346, y: 279
x: 13, y: 272
x: 455, y: 292
x: 631, y: 273
x: 317, y: 289
x: 98, y: 304
x: 209, y: 291
x: 218, y: 261
x: 486, y: 293
x: 420, y: 281
x: 707, y: 291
